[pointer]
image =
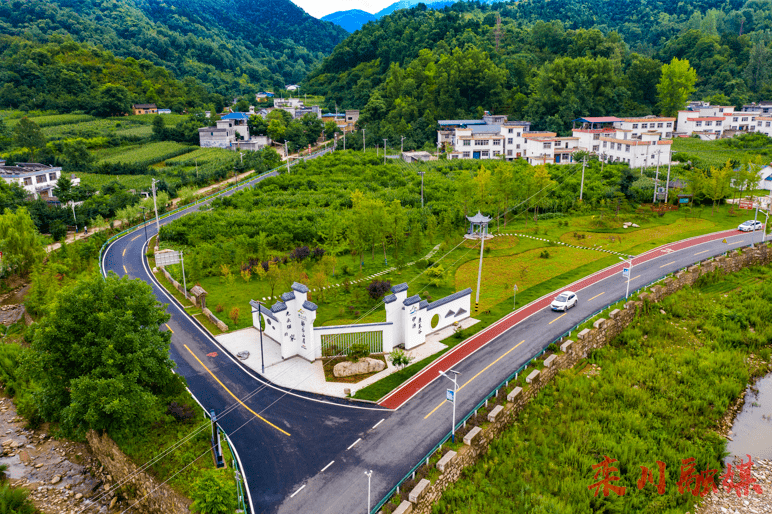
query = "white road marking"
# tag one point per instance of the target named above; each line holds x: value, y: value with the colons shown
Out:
x: 296, y: 492
x: 327, y: 466
x: 381, y: 421
x: 354, y: 443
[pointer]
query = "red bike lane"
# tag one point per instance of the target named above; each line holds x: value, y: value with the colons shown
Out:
x: 402, y: 394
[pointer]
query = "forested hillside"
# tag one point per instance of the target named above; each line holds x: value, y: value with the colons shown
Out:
x: 225, y: 45
x: 546, y: 61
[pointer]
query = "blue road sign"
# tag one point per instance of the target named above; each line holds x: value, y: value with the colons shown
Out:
x: 450, y: 395
x: 625, y: 272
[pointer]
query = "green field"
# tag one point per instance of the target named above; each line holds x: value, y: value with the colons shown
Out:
x: 717, y: 153
x: 202, y: 156
x: 97, y: 180
x: 148, y: 154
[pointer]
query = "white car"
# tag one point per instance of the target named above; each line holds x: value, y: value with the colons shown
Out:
x: 564, y: 301
x: 750, y: 226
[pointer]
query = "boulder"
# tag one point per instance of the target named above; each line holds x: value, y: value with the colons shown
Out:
x: 366, y: 365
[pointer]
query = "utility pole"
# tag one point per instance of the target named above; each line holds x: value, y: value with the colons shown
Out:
x: 656, y: 179
x: 286, y: 154
x: 384, y: 150
x: 369, y: 476
x: 184, y: 282
x: 364, y: 143
x: 144, y: 221
x: 422, y: 188
x: 667, y: 185
x: 72, y: 204
x: 581, y: 189
x: 401, y: 145
x: 157, y: 221
x: 344, y: 139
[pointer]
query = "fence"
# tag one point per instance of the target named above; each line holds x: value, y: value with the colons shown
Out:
x: 339, y: 344
x: 495, y: 390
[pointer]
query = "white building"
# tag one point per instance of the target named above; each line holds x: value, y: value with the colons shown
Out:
x: 492, y: 137
x: 764, y: 125
x: 547, y: 148
x: 39, y: 180
x: 589, y: 130
x: 644, y: 151
x: 231, y: 133
x: 709, y: 122
x: 762, y: 108
x: 765, y: 178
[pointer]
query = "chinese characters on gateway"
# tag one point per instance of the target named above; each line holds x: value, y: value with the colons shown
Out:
x: 693, y: 481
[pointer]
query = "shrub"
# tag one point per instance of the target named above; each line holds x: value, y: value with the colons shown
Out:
x: 180, y: 412
x: 234, y: 315
x: 544, y: 255
x: 378, y: 288
x: 219, y: 308
x: 358, y: 351
x: 213, y: 493
x: 400, y: 359
x: 300, y: 253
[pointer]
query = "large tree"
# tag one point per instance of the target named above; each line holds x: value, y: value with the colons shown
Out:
x: 99, y: 358
x: 27, y: 134
x: 20, y: 242
x: 675, y: 86
x: 113, y: 100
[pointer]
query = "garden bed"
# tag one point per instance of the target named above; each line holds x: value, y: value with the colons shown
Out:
x: 329, y: 364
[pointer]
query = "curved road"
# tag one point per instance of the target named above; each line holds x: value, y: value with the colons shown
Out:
x: 308, y: 453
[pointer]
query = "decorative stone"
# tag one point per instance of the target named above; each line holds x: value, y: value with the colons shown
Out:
x: 515, y: 392
x: 492, y: 415
x: 532, y: 376
x: 549, y: 360
x: 418, y: 490
x: 404, y: 508
x: 566, y: 346
x: 599, y: 323
x: 583, y: 333
x: 614, y: 314
x: 445, y: 460
x: 366, y: 365
x: 243, y: 355
x: 469, y: 437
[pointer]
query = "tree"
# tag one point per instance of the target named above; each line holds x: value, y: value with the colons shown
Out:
x: 213, y: 493
x: 159, y: 128
x: 113, y: 100
x: 63, y: 190
x: 100, y: 359
x: 759, y: 67
x: 716, y: 184
x: 5, y: 135
x: 76, y: 156
x: 675, y: 86
x: 20, y: 242
x: 27, y: 134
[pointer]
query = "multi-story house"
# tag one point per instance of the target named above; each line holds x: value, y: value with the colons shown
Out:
x: 708, y: 122
x: 492, y: 137
x: 762, y: 108
x: 645, y: 150
x: 764, y: 125
x: 232, y: 133
x: 38, y: 179
x: 547, y: 148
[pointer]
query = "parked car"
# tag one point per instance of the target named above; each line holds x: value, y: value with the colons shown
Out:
x: 750, y: 226
x: 564, y: 301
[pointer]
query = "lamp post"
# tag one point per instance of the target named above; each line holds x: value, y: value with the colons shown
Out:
x: 260, y: 324
x: 514, y: 299
x: 369, y: 477
x: 629, y: 274
x: 455, y: 392
x: 144, y: 221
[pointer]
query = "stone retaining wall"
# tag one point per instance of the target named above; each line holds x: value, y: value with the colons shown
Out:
x: 222, y: 326
x: 603, y: 331
x: 161, y: 499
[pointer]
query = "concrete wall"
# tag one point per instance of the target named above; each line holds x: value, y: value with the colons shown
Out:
x: 603, y: 332
x: 161, y: 499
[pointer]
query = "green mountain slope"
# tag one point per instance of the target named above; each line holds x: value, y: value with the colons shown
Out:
x: 223, y: 44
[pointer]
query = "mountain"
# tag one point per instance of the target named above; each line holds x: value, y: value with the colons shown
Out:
x: 407, y: 4
x: 351, y: 20
x: 226, y: 44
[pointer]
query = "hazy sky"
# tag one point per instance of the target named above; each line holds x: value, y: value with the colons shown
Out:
x: 319, y: 8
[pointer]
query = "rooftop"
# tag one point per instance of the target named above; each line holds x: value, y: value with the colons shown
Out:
x: 236, y: 116
x: 479, y: 218
x: 448, y: 299
x: 300, y: 288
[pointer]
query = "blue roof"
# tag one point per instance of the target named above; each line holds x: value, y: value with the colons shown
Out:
x: 423, y: 304
x: 300, y: 288
x: 287, y: 297
x: 278, y: 307
x: 399, y: 288
x: 263, y: 310
x: 311, y: 306
x: 448, y: 299
x: 390, y: 298
x: 413, y: 299
x: 236, y: 116
x: 486, y: 129
x: 452, y: 123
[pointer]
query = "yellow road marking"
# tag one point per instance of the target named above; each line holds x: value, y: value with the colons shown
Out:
x: 735, y: 242
x: 699, y: 253
x: 477, y: 375
x: 554, y: 320
x: 635, y: 277
x: 125, y: 270
x: 170, y: 328
x: 233, y: 395
x: 137, y: 237
x: 597, y: 295
x: 124, y: 252
x: 668, y: 264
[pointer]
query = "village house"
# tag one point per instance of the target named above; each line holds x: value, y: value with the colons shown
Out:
x: 492, y: 137
x: 547, y: 148
x: 764, y: 125
x: 39, y: 180
x: 763, y: 108
x: 144, y: 109
x: 643, y: 151
x: 589, y: 130
x: 710, y: 122
x: 231, y: 132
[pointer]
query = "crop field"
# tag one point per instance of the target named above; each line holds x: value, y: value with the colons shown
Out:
x: 93, y: 128
x: 149, y: 154
x: 55, y: 120
x: 202, y: 156
x: 717, y: 153
x: 97, y: 180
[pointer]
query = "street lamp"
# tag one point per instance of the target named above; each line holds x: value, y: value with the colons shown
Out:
x: 260, y: 324
x: 514, y: 298
x: 453, y: 396
x: 629, y: 274
x: 369, y: 476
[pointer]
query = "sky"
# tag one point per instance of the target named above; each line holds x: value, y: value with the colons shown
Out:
x: 319, y: 8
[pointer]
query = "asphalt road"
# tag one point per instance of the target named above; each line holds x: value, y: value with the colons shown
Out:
x: 305, y: 453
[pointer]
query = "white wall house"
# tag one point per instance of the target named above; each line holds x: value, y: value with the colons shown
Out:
x: 39, y: 180
x: 707, y: 122
x: 763, y: 108
x: 223, y: 135
x: 590, y: 130
x: 492, y: 137
x: 290, y: 322
x: 547, y: 148
x: 764, y: 125
x: 479, y: 142
x: 637, y: 126
x: 765, y: 178
x: 644, y: 151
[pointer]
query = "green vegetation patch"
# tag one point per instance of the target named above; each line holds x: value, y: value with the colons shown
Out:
x: 656, y: 393
x: 145, y: 155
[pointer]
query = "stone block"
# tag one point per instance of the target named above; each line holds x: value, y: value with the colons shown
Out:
x: 445, y: 460
x: 492, y: 415
x: 515, y: 392
x: 532, y: 376
x: 404, y: 508
x: 614, y: 314
x: 599, y: 323
x: 418, y: 490
x: 566, y: 346
x: 469, y: 437
x: 550, y: 360
x: 584, y: 333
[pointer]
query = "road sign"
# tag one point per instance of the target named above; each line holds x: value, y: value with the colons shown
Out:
x: 450, y: 395
x: 746, y: 204
x: 625, y: 272
x: 683, y: 200
x: 167, y: 258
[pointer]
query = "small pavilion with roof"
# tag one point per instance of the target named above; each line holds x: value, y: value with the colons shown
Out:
x: 478, y: 227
